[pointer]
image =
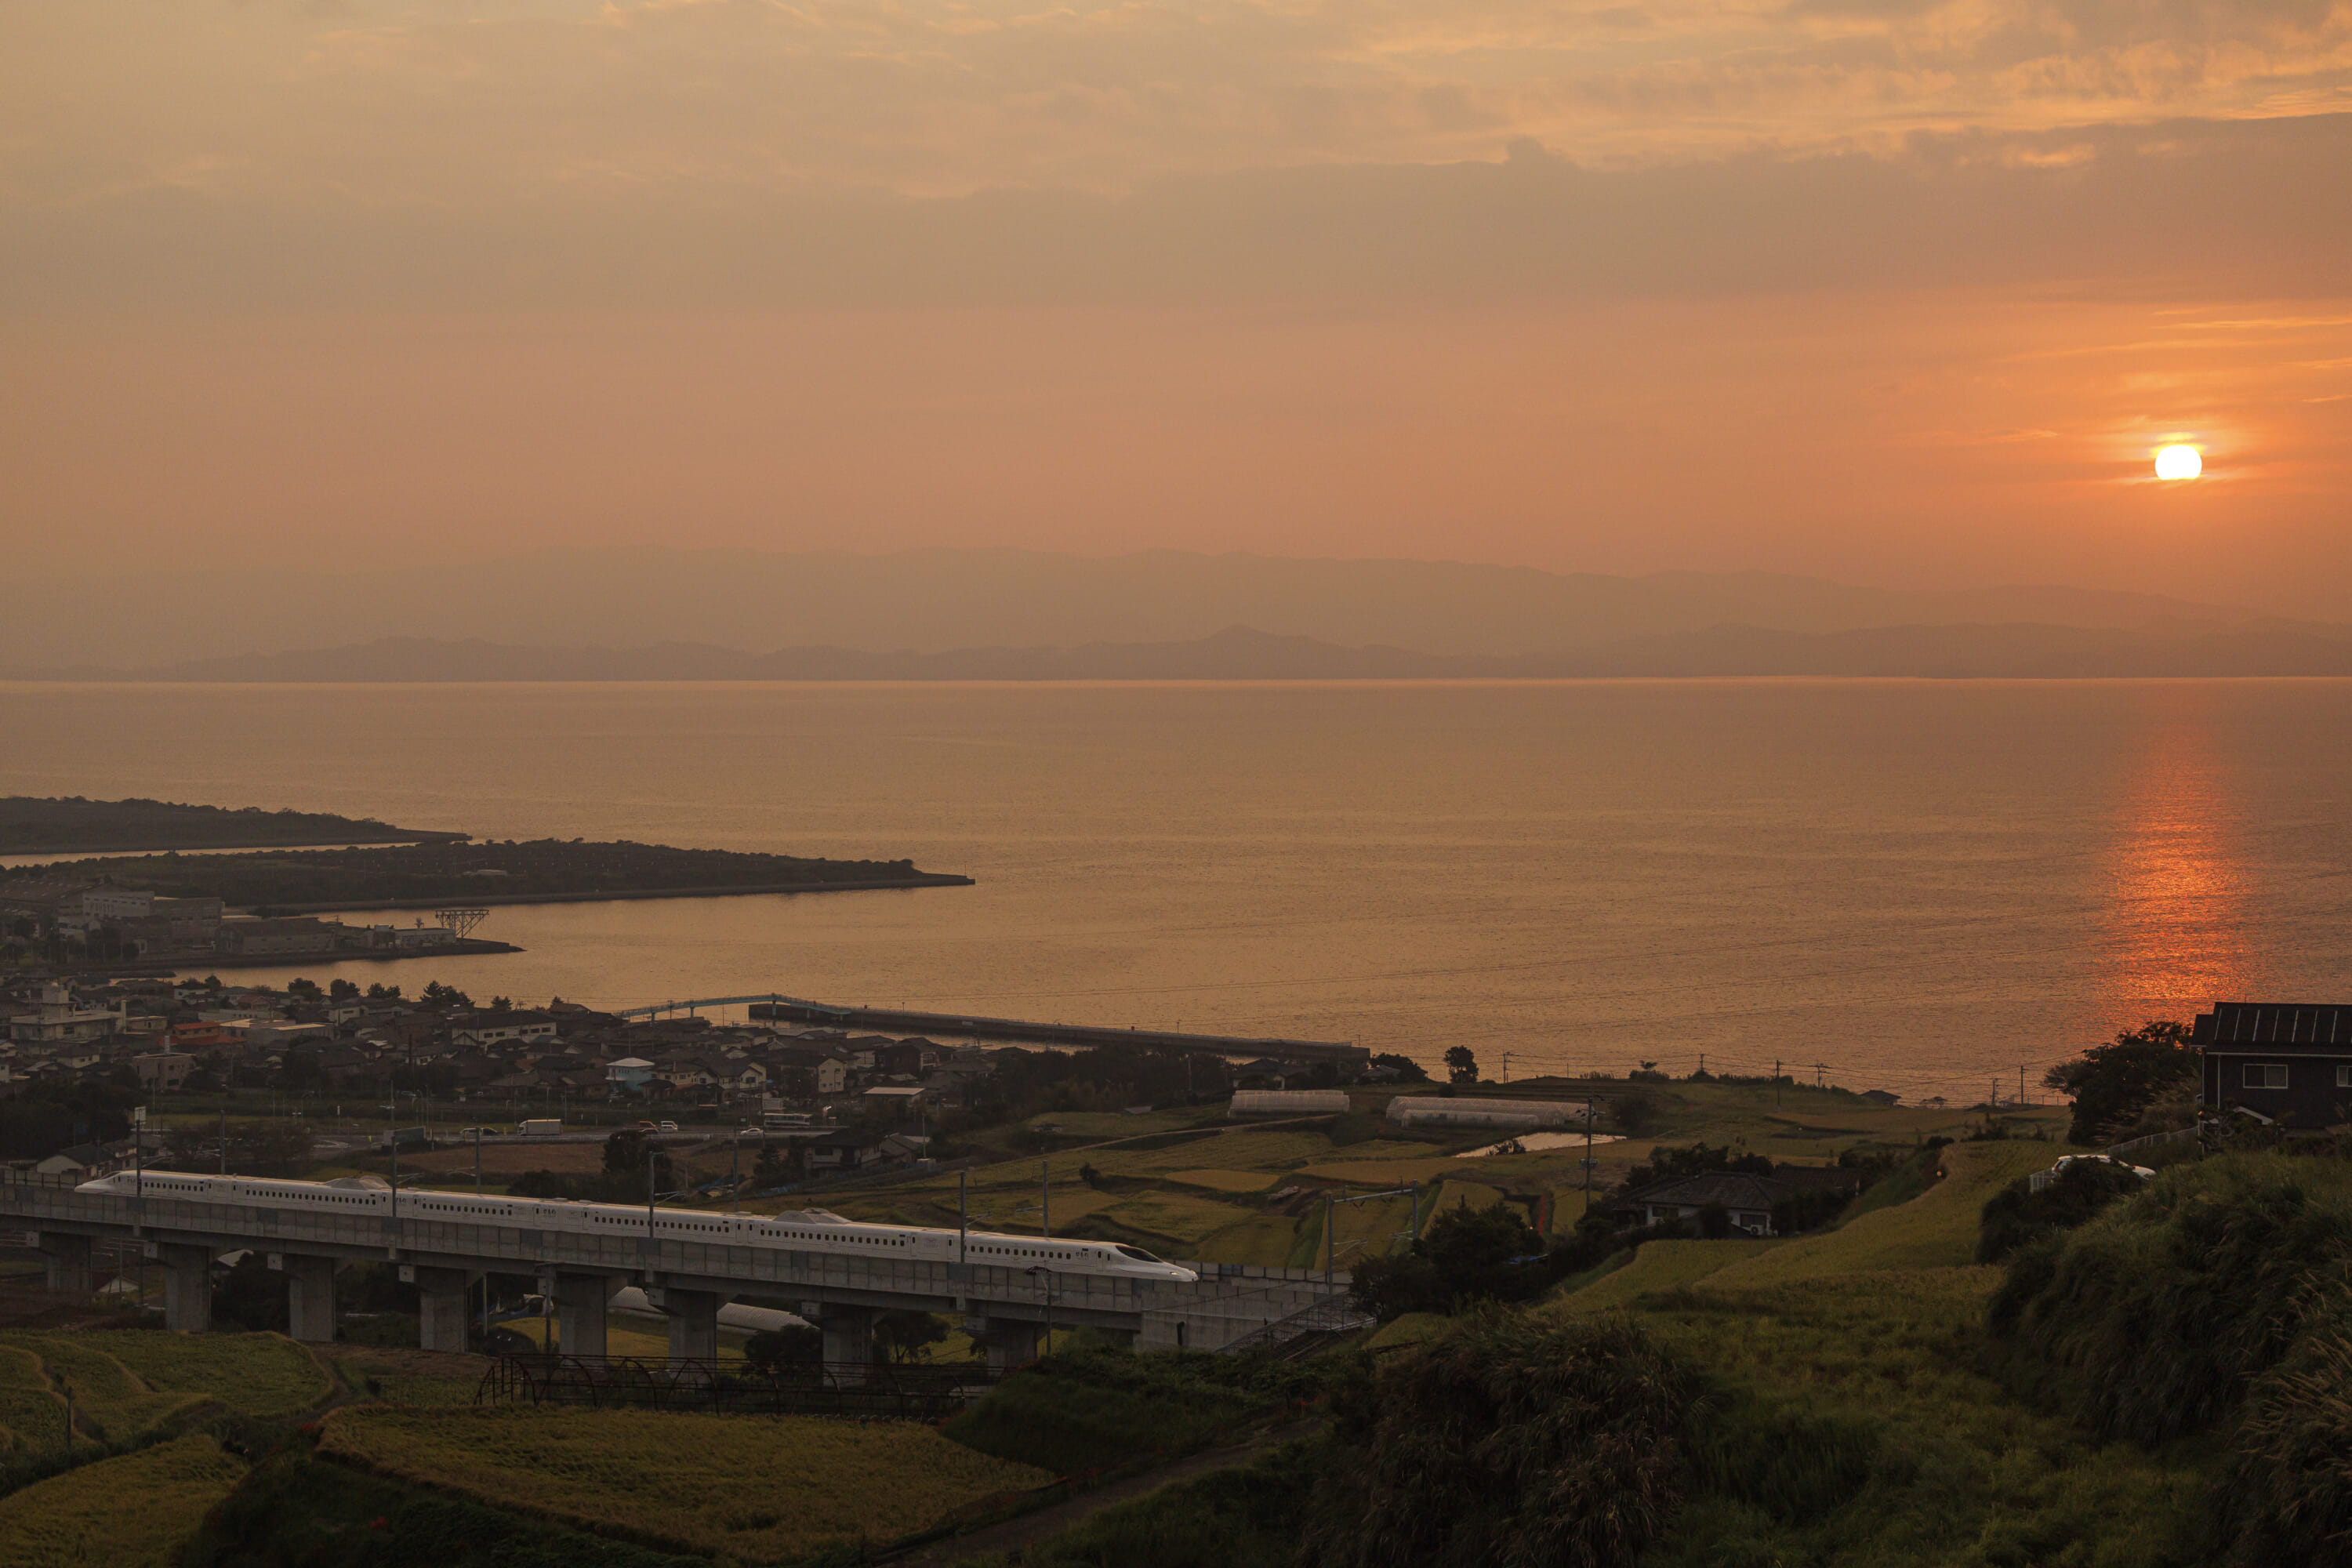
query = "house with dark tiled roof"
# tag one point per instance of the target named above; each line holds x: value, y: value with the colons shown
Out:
x: 2284, y: 1061
x: 1746, y: 1199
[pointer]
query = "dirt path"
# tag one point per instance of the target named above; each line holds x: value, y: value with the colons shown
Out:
x: 1030, y: 1527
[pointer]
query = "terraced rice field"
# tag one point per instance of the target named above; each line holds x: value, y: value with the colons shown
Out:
x: 756, y: 1489
x: 266, y: 1375
x: 131, y: 1512
x: 109, y: 1402
x: 32, y: 1417
x: 1225, y: 1181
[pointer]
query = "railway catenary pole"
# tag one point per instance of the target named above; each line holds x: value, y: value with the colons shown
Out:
x: 1045, y: 1198
x: 139, y: 1150
x: 963, y: 1221
x: 478, y: 1193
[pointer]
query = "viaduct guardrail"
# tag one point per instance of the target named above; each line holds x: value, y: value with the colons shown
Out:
x: 1004, y: 1307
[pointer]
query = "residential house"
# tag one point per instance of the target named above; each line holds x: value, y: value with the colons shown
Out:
x: 847, y: 1149
x: 628, y: 1075
x: 490, y: 1028
x: 2290, y: 1063
x: 1746, y: 1199
x: 164, y: 1070
x: 83, y: 1162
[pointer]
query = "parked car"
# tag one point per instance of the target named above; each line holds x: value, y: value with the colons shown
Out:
x: 667, y: 1127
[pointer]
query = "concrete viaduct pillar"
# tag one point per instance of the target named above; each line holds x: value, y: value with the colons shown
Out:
x: 441, y: 1310
x: 693, y: 1323
x: 848, y: 1339
x: 187, y: 1286
x: 69, y: 1263
x: 309, y: 1296
x: 1007, y: 1343
x: 580, y: 1302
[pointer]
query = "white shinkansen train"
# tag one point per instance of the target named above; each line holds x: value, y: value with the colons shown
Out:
x: 809, y: 1230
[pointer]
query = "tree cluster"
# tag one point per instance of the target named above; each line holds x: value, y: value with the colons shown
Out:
x: 2112, y: 1084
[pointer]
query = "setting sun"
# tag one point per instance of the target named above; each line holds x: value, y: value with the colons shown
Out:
x: 2179, y: 463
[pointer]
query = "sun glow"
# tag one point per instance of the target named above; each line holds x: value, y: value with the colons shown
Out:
x: 2179, y: 463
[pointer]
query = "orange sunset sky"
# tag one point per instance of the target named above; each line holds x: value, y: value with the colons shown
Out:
x: 1903, y: 293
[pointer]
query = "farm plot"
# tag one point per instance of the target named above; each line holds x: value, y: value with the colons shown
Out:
x: 31, y: 1414
x: 267, y: 1375
x: 1180, y: 1217
x: 110, y: 1402
x: 1225, y: 1180
x: 758, y: 1490
x: 1267, y: 1240
x: 1383, y: 1172
x: 131, y: 1512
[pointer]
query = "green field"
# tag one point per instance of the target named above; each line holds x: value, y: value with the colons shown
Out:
x: 756, y: 1489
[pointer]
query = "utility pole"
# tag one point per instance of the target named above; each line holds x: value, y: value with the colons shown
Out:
x: 1776, y: 1083
x: 651, y: 1150
x: 1330, y: 1237
x: 478, y: 1193
x: 2020, y: 1083
x: 1045, y: 1197
x: 1588, y: 1157
x: 964, y: 1216
x: 139, y: 1150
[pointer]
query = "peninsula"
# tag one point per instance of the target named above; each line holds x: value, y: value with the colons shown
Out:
x: 430, y: 876
x: 70, y: 824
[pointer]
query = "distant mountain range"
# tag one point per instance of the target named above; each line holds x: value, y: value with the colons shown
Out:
x: 1240, y: 653
x: 1020, y: 606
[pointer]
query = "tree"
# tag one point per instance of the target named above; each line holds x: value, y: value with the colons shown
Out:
x: 908, y: 1336
x: 1407, y: 1069
x: 339, y: 990
x: 382, y: 993
x: 2111, y: 1084
x: 773, y: 1352
x: 437, y: 996
x: 1461, y: 1065
x: 625, y: 1160
x: 305, y: 989
x: 501, y: 1004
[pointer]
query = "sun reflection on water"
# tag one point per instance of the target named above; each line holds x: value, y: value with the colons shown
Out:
x: 2175, y: 910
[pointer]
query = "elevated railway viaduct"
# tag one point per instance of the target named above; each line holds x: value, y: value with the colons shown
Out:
x: 1006, y: 1308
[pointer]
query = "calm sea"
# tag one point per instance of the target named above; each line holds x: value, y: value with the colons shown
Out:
x: 1920, y: 885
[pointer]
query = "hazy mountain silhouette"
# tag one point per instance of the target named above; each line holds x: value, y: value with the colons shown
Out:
x: 935, y: 600
x: 1239, y: 653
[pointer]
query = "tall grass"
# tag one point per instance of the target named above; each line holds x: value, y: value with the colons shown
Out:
x: 1096, y: 1409
x: 1512, y: 1441
x: 2160, y: 1313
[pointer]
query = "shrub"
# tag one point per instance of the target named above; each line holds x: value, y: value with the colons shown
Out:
x: 2018, y: 1214
x: 1510, y: 1441
x: 2161, y: 1311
